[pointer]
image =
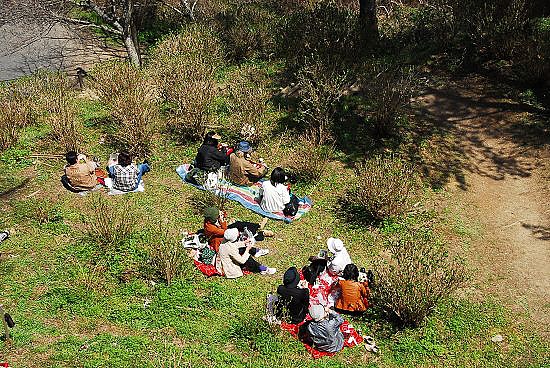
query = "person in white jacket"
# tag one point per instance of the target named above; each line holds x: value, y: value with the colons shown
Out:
x: 340, y: 258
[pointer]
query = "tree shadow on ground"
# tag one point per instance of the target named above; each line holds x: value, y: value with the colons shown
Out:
x: 9, y: 192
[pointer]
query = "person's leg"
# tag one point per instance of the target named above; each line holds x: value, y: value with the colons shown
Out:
x: 142, y: 169
x: 253, y: 266
x: 240, y: 225
x: 259, y: 236
x: 252, y: 251
x: 111, y: 171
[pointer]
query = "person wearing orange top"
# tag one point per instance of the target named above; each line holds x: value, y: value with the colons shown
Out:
x: 215, y: 224
x: 354, y: 295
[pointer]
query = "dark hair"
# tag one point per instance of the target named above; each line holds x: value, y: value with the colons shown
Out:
x: 71, y: 157
x: 351, y: 272
x: 278, y: 176
x: 124, y: 159
x: 312, y: 271
x: 209, y: 139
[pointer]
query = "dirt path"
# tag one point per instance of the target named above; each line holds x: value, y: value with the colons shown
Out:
x: 505, y: 189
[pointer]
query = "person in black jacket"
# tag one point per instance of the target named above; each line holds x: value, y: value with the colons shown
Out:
x: 209, y: 157
x: 293, y: 302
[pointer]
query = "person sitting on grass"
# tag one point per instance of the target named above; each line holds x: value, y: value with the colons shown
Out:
x: 211, y: 155
x: 275, y: 195
x: 80, y: 171
x: 293, y: 299
x: 242, y: 170
x: 126, y: 176
x: 340, y: 258
x: 353, y: 294
x: 234, y: 256
x: 215, y: 224
x: 323, y: 331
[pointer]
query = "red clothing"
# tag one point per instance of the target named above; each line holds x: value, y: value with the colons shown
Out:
x: 354, y: 296
x: 214, y: 233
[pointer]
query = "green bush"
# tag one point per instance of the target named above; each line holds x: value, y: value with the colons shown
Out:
x: 183, y: 67
x: 382, y: 188
x: 415, y: 276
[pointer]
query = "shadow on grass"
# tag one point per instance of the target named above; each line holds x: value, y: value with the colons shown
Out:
x: 7, y: 193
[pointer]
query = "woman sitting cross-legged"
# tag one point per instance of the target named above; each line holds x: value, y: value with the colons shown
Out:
x: 234, y: 256
x: 293, y: 300
x: 215, y: 224
x: 323, y: 331
x: 354, y: 295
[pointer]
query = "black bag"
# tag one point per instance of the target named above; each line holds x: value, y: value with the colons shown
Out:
x: 291, y: 208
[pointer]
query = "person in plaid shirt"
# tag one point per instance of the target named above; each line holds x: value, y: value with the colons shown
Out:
x: 126, y: 176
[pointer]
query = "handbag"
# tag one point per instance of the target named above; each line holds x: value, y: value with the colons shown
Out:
x: 291, y: 208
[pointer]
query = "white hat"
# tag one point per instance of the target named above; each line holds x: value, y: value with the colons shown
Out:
x: 317, y: 312
x: 231, y: 235
x: 335, y: 245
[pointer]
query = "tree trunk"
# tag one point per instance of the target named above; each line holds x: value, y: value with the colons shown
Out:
x: 369, y: 21
x: 129, y: 33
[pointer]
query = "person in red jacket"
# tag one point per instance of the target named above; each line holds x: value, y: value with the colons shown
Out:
x: 354, y: 295
x: 215, y: 224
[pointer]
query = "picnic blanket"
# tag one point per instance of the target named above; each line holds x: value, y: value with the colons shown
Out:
x: 246, y: 196
x: 112, y: 191
x: 351, y: 337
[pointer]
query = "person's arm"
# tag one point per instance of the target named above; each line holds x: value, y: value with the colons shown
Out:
x: 234, y: 254
x: 337, y: 319
x: 252, y: 170
x: 286, y: 195
x: 219, y: 155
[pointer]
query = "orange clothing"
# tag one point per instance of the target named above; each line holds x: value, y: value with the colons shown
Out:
x: 354, y: 297
x: 214, y: 233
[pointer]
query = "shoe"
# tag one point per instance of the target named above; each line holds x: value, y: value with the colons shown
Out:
x: 261, y: 252
x: 268, y: 233
x: 4, y: 235
x: 269, y: 271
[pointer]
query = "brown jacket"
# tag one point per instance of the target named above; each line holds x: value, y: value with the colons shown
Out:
x: 82, y: 176
x: 214, y: 233
x: 354, y: 296
x: 242, y: 171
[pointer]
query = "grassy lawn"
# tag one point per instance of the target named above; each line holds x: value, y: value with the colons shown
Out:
x: 77, y: 304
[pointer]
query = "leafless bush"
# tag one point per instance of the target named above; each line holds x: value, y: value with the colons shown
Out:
x: 383, y: 188
x: 417, y: 274
x: 388, y: 90
x: 58, y: 100
x: 248, y: 95
x: 16, y: 111
x: 167, y: 253
x: 320, y: 90
x: 183, y: 67
x: 307, y: 161
x: 202, y: 199
x: 131, y: 99
x: 111, y: 222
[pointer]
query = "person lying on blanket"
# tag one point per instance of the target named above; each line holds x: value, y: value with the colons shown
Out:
x: 126, y: 176
x: 81, y: 172
x: 215, y: 224
x: 242, y: 170
x: 275, y: 195
x: 293, y: 298
x: 354, y: 295
x: 234, y: 256
x: 212, y: 155
x: 323, y: 331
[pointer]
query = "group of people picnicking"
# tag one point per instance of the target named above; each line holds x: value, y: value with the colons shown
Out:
x: 312, y: 297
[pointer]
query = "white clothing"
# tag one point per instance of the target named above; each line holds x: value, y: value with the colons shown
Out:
x: 274, y: 198
x: 340, y: 260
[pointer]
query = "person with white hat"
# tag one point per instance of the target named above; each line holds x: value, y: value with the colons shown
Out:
x: 340, y: 258
x: 323, y: 332
x: 231, y: 261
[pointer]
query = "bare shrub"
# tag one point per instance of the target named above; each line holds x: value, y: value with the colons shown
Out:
x: 58, y: 100
x: 16, y: 111
x: 417, y: 274
x: 248, y: 95
x: 184, y: 67
x: 320, y: 90
x: 389, y: 91
x: 109, y: 222
x: 167, y: 253
x: 383, y: 188
x: 202, y: 199
x: 307, y: 161
x: 131, y: 99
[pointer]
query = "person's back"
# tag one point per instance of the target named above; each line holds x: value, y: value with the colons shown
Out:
x: 324, y: 330
x: 275, y: 194
x: 124, y: 177
x: 353, y: 297
x: 209, y: 158
x: 80, y: 175
x: 293, y: 302
x: 242, y: 171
